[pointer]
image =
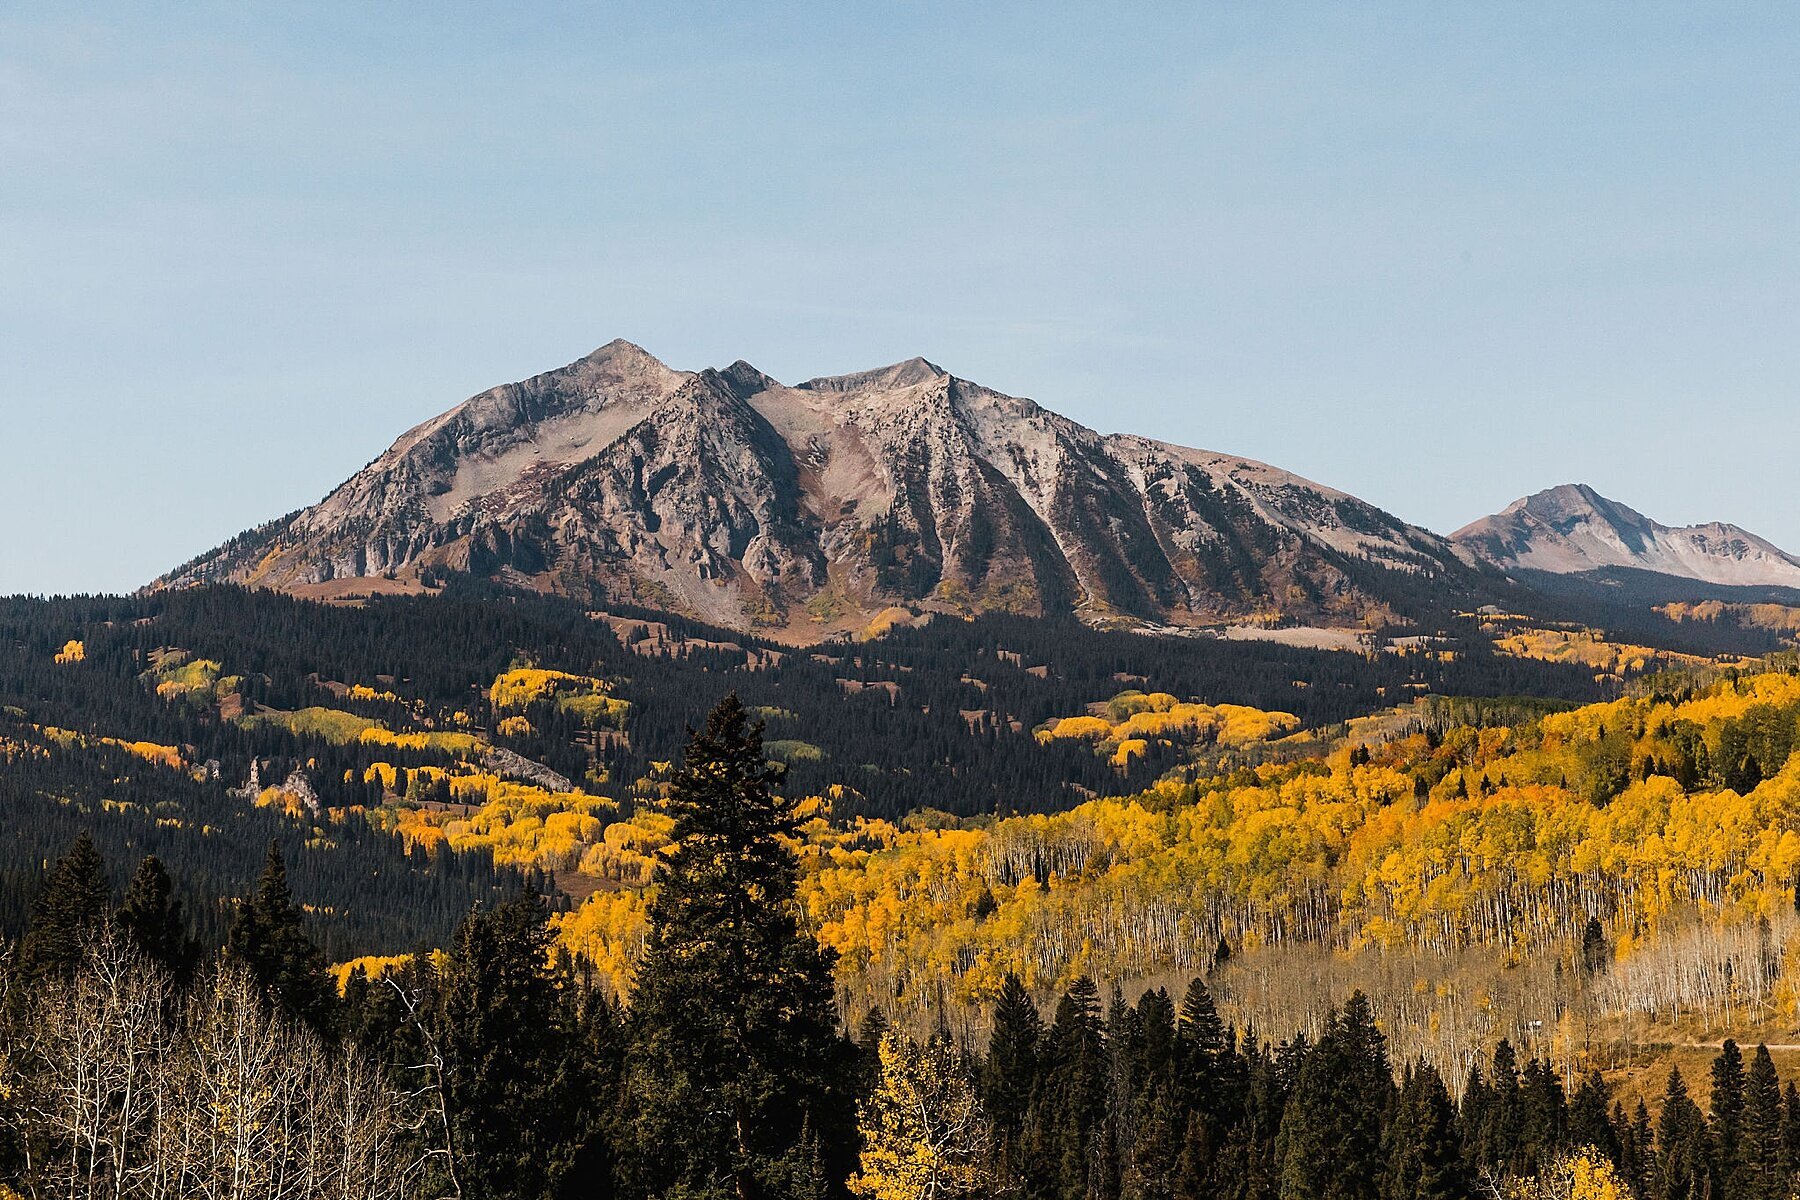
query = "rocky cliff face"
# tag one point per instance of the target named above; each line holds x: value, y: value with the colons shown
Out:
x: 1572, y: 528
x: 747, y: 502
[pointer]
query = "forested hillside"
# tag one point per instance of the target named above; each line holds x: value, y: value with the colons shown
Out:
x: 135, y: 1065
x: 971, y: 826
x: 198, y: 724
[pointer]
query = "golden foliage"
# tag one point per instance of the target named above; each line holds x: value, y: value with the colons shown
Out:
x: 1134, y: 719
x: 373, y: 966
x: 175, y: 674
x: 1493, y: 837
x: 1777, y: 618
x: 73, y: 651
x: 1590, y: 650
x: 922, y: 1128
x: 1583, y: 1175
x: 581, y: 695
x: 609, y: 930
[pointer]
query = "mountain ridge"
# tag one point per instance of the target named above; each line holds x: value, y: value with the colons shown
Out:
x: 810, y: 508
x: 1573, y: 529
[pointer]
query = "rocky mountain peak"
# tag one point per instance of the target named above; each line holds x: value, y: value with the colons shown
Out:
x: 911, y: 373
x: 1571, y: 528
x: 805, y: 510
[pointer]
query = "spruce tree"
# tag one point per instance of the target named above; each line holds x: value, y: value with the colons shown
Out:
x: 1725, y: 1126
x: 268, y: 937
x: 1009, y: 1072
x: 1589, y: 1124
x: 74, y: 901
x: 522, y: 1110
x: 1203, y: 1058
x: 1423, y: 1151
x: 868, y: 1051
x: 735, y: 1075
x: 1790, y: 1128
x: 1498, y: 1139
x: 1680, y: 1143
x: 1762, y: 1168
x: 1069, y: 1150
x: 1642, y: 1150
x: 1331, y: 1135
x: 151, y: 917
x: 1543, y: 1117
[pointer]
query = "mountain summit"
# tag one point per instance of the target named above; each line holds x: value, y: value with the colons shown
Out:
x: 809, y: 508
x: 1572, y: 528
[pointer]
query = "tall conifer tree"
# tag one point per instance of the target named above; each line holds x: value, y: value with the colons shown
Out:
x: 151, y: 916
x: 735, y: 1074
x: 74, y: 900
x: 1009, y: 1073
x: 1762, y: 1169
x: 521, y: 1095
x: 268, y: 936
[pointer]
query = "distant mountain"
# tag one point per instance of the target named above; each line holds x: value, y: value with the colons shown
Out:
x: 736, y: 499
x: 1573, y: 529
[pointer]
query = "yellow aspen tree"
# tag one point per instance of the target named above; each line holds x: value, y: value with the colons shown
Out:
x: 1583, y: 1175
x: 924, y: 1135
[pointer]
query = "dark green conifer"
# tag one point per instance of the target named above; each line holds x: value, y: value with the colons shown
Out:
x: 1331, y: 1135
x: 1068, y: 1142
x: 1762, y: 1167
x: 268, y: 937
x: 1790, y: 1128
x: 520, y: 1096
x: 735, y: 1074
x: 1680, y: 1144
x: 74, y: 901
x: 1009, y: 1072
x: 151, y: 917
x: 1589, y: 1124
x: 1725, y: 1125
x: 1423, y: 1150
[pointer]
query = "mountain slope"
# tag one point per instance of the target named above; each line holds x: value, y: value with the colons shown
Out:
x: 1572, y: 528
x: 743, y: 501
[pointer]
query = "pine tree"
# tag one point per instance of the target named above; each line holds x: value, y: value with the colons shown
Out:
x: 1762, y: 1168
x: 1009, y: 1072
x: 514, y: 1087
x: 1155, y: 1140
x: 1543, y: 1117
x: 1423, y: 1151
x: 151, y: 916
x: 1643, y: 1136
x: 1069, y: 1151
x: 868, y: 1051
x: 734, y: 1058
x: 1680, y: 1144
x: 1498, y: 1138
x: 1790, y: 1127
x: 1589, y: 1124
x: 1596, y: 952
x: 1725, y: 1127
x: 1331, y: 1135
x: 268, y: 936
x: 1203, y: 1058
x: 74, y: 901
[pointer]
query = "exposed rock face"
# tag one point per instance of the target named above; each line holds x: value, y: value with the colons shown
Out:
x: 746, y: 502
x: 1572, y: 528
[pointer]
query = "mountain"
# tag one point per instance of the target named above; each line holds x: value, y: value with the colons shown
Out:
x: 806, y: 509
x: 1572, y: 529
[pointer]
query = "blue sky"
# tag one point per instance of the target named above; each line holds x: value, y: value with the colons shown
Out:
x: 1436, y: 255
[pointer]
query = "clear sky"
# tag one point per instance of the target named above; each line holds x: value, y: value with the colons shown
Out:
x: 1437, y: 255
